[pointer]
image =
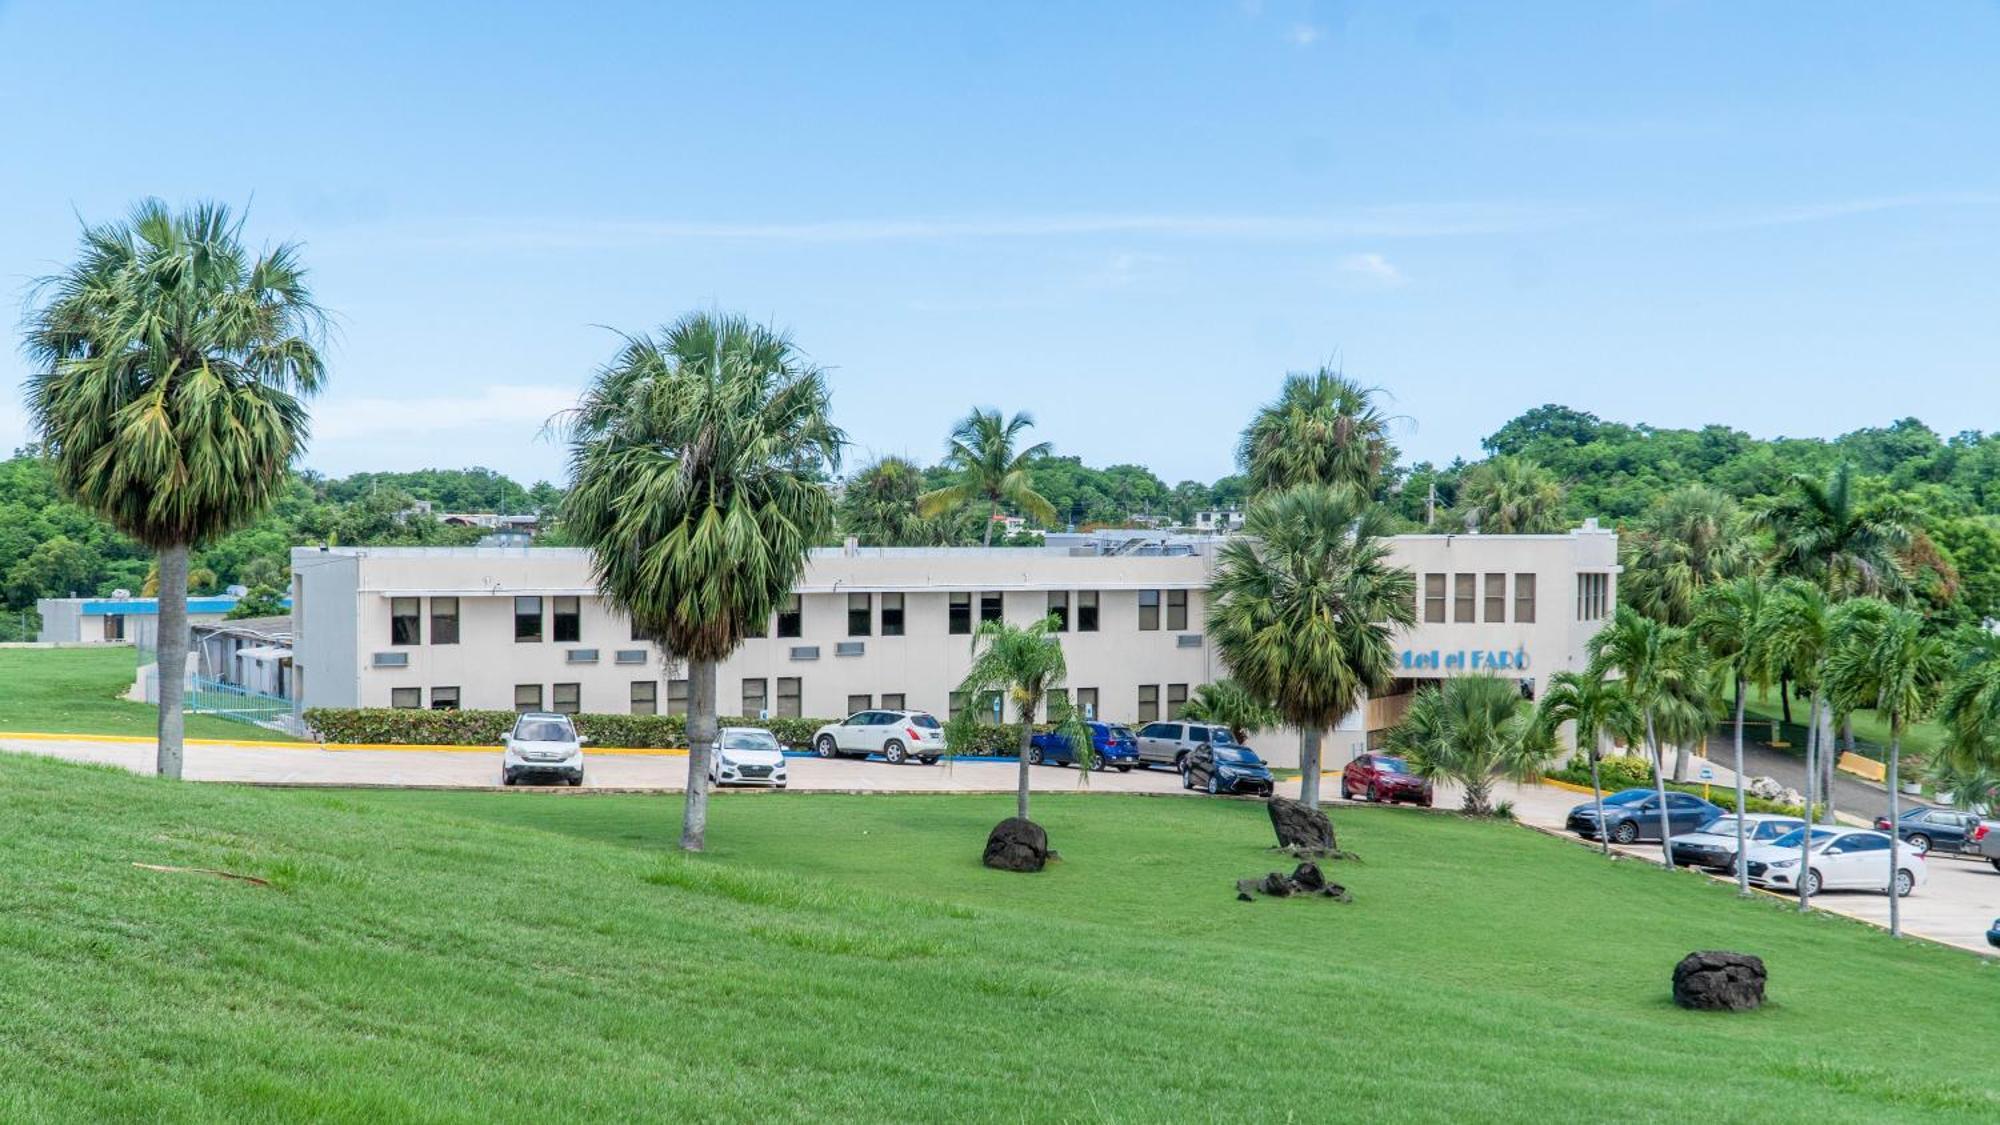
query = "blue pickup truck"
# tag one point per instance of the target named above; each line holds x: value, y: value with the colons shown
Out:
x: 1110, y: 746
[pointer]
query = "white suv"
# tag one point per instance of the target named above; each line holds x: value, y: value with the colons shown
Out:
x: 896, y: 735
x: 545, y: 743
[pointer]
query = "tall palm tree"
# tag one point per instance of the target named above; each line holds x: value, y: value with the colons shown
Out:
x: 1230, y: 704
x: 170, y: 365
x: 1798, y: 635
x: 1731, y: 621
x: 1690, y: 539
x: 1969, y: 709
x: 1302, y: 608
x: 1822, y: 531
x: 1021, y: 664
x: 698, y: 464
x: 1661, y: 669
x: 1324, y: 428
x: 1891, y: 657
x: 1510, y: 496
x: 990, y: 469
x: 879, y: 507
x: 1596, y: 708
x: 1474, y: 730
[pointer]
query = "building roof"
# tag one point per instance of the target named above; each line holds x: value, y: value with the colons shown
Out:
x: 149, y: 607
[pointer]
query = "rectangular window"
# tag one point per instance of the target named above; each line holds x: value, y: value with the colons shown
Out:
x: 444, y: 621
x: 568, y: 619
x: 568, y: 698
x: 1592, y: 591
x: 891, y: 701
x: 645, y: 697
x: 1464, y: 604
x: 892, y: 615
x: 989, y: 606
x: 444, y: 699
x: 406, y: 622
x: 527, y: 697
x: 791, y: 615
x: 755, y: 702
x: 1496, y: 598
x: 789, y: 691
x: 677, y: 697
x: 1149, y: 609
x: 528, y: 620
x: 406, y: 697
x: 1086, y: 611
x: 961, y: 613
x: 1059, y: 609
x: 956, y: 705
x: 1524, y: 599
x: 1433, y: 598
x: 1176, y: 700
x: 1176, y: 610
x: 1086, y: 702
x: 1056, y: 701
x: 860, y: 615
x: 1149, y: 703
x: 859, y: 703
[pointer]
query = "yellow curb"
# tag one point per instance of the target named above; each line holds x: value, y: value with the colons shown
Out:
x: 1569, y: 785
x: 142, y: 740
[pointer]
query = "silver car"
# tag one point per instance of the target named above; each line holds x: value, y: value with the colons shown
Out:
x: 747, y: 756
x: 543, y: 744
x: 898, y: 736
x: 1169, y: 744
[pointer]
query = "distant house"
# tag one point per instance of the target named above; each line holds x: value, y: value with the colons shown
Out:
x: 1219, y: 520
x: 126, y: 620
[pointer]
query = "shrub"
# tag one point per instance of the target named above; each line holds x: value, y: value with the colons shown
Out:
x: 403, y: 726
x: 1621, y: 771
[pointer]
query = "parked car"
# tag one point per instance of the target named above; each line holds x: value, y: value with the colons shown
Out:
x: 1383, y: 777
x: 1633, y: 815
x: 1169, y: 744
x: 543, y: 744
x: 1840, y: 859
x: 898, y: 736
x: 1110, y: 745
x: 1713, y: 845
x: 747, y: 756
x: 1226, y: 769
x: 1993, y: 934
x: 1984, y: 842
x: 1947, y: 830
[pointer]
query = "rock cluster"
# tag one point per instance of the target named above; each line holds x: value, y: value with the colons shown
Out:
x: 1305, y: 879
x: 1713, y: 980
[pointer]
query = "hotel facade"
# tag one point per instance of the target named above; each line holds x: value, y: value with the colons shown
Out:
x: 514, y: 628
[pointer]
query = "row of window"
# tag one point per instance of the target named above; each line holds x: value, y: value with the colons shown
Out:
x: 565, y: 620
x: 645, y: 699
x: 1468, y: 595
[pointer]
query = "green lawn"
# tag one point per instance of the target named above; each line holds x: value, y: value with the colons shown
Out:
x: 76, y: 691
x: 538, y: 956
x: 1920, y: 738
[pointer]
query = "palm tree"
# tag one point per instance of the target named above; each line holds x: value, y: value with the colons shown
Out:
x: 1324, y: 428
x: 1021, y: 665
x: 1731, y: 620
x: 1969, y: 709
x: 169, y: 369
x: 1798, y: 635
x: 1660, y: 666
x: 1595, y: 708
x: 1510, y: 496
x: 1474, y: 730
x: 982, y: 454
x: 879, y: 507
x: 1892, y: 658
x: 1302, y: 609
x: 1228, y: 703
x: 698, y: 464
x: 1821, y: 531
x: 1691, y: 539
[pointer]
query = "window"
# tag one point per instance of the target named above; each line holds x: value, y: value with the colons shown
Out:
x: 409, y: 697
x: 1055, y: 702
x: 568, y: 698
x: 1463, y: 600
x: 788, y: 697
x: 444, y: 621
x: 1086, y: 611
x: 1176, y: 700
x: 114, y: 627
x: 1059, y: 609
x: 569, y: 619
x: 860, y: 615
x: 1149, y: 702
x: 1524, y: 599
x: 892, y: 615
x: 791, y: 614
x: 1086, y: 702
x: 1591, y: 591
x: 444, y: 699
x: 1177, y: 609
x: 1860, y: 843
x: 892, y: 701
x: 1433, y: 598
x: 956, y: 705
x: 961, y: 613
x: 1149, y: 609
x: 755, y: 699
x: 989, y: 606
x: 528, y: 620
x: 677, y: 697
x: 527, y: 697
x: 406, y: 622
x: 645, y: 697
x: 1496, y: 598
x: 860, y: 703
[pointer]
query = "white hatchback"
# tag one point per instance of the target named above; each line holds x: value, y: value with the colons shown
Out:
x: 546, y: 744
x: 747, y: 756
x: 1839, y: 859
x: 898, y: 736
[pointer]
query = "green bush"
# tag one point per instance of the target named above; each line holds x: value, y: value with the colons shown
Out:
x: 1624, y: 771
x: 402, y: 726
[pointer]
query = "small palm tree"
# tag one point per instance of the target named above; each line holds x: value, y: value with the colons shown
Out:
x: 1474, y: 730
x: 1510, y: 496
x: 1303, y: 607
x: 1661, y: 668
x: 698, y: 464
x: 989, y: 469
x: 1732, y: 620
x: 1691, y: 539
x: 1324, y: 428
x: 1821, y: 531
x: 169, y: 369
x: 1021, y: 665
x: 1228, y: 703
x: 1596, y: 708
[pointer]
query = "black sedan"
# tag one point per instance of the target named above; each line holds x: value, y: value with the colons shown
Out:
x: 1632, y: 815
x: 1226, y: 769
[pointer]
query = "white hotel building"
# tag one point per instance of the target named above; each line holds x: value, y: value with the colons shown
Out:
x: 509, y: 628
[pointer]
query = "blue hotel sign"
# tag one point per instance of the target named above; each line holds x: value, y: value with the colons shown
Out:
x: 1466, y: 660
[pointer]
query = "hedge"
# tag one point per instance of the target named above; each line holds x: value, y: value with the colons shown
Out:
x: 408, y: 726
x: 1619, y: 771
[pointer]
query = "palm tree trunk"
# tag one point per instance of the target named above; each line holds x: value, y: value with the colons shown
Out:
x: 170, y: 652
x: 1785, y: 697
x: 1309, y: 741
x: 700, y: 739
x: 1829, y: 758
x: 1742, y: 864
x: 1659, y: 795
x: 1681, y: 762
x: 1021, y: 784
x: 988, y: 541
x: 1597, y: 796
x: 1478, y: 795
x: 1895, y: 837
x: 1805, y: 844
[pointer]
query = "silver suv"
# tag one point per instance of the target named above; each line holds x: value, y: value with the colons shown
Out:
x: 898, y: 736
x: 544, y: 744
x: 1169, y: 744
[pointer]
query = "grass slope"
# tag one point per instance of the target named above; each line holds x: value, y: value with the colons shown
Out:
x: 76, y: 691
x: 481, y: 957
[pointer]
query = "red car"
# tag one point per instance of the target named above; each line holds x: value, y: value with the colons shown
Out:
x: 1380, y: 777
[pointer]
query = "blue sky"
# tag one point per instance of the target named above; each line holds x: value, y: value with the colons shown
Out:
x: 1128, y: 219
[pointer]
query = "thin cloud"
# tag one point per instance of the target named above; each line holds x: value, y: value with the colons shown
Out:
x: 1375, y: 268
x: 513, y: 409
x: 1848, y: 208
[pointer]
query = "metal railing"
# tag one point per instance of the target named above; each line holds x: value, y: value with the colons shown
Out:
x: 230, y: 701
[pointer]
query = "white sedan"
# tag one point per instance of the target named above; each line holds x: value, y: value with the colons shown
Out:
x: 1839, y: 859
x: 747, y: 756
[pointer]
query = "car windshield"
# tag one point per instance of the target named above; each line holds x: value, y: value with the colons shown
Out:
x: 541, y: 730
x: 1393, y: 765
x: 928, y: 722
x: 1123, y: 734
x: 750, y: 740
x: 1219, y: 736
x: 1723, y: 826
x: 1791, y: 839
x: 1240, y: 755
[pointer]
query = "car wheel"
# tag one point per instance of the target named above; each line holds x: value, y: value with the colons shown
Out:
x: 577, y: 781
x: 826, y: 747
x: 930, y: 760
x: 1213, y: 788
x: 1124, y: 769
x: 1919, y: 843
x: 1098, y: 763
x: 894, y: 752
x: 1905, y: 883
x: 1034, y: 755
x: 1187, y: 780
x: 1995, y: 863
x: 1373, y: 796
x: 1346, y: 794
x: 1626, y: 832
x: 1180, y: 761
x: 1811, y: 882
x: 506, y: 777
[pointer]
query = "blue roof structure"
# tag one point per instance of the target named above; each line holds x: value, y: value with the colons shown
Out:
x: 148, y: 607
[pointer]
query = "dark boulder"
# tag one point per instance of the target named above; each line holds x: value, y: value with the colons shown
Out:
x: 1301, y: 827
x: 1713, y: 980
x: 1305, y: 879
x: 1017, y: 844
x: 1276, y: 885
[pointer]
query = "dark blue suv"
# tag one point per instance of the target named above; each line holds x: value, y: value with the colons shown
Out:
x: 1110, y: 745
